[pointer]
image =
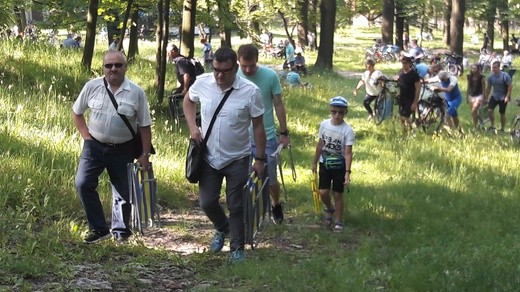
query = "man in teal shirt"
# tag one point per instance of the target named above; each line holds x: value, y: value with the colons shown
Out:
x: 269, y: 83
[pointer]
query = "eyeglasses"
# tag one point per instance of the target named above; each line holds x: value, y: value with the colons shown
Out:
x: 117, y: 65
x: 335, y: 112
x: 223, y: 71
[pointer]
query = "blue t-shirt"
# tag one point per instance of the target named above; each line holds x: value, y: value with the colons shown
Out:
x: 455, y: 92
x: 500, y: 84
x: 422, y: 69
x: 293, y: 78
x: 267, y: 80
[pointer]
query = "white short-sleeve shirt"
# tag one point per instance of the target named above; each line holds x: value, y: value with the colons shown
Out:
x: 229, y: 139
x: 104, y: 122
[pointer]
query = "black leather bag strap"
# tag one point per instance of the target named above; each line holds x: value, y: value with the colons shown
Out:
x: 219, y: 107
x: 113, y: 99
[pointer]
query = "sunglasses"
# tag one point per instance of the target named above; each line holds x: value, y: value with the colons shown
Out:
x: 223, y: 71
x: 335, y: 112
x: 117, y: 65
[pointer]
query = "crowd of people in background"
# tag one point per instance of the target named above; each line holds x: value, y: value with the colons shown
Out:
x: 494, y: 90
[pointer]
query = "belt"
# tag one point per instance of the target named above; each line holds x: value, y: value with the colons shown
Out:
x: 109, y: 144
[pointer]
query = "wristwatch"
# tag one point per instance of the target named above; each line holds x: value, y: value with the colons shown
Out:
x: 285, y: 133
x: 260, y: 159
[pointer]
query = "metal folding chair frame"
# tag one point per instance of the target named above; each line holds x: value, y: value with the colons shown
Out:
x: 143, y: 197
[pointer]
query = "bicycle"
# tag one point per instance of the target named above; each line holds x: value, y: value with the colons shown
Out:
x: 257, y: 208
x: 431, y: 108
x: 515, y: 127
x: 383, y: 106
x: 453, y: 64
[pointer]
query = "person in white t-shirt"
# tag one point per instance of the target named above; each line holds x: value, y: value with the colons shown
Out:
x: 370, y: 80
x: 334, y: 154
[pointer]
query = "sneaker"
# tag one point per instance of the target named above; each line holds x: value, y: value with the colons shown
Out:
x: 327, y: 218
x: 492, y: 129
x: 237, y: 256
x: 338, y: 227
x: 217, y: 243
x: 121, y: 237
x: 97, y: 235
x: 277, y: 214
x: 501, y: 131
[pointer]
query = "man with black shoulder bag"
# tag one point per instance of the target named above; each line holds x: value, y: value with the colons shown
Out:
x: 118, y: 112
x: 229, y: 104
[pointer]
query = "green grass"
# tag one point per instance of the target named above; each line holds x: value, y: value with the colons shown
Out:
x: 424, y: 213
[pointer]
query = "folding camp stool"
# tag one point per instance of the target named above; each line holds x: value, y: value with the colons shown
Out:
x: 143, y: 197
x: 257, y: 208
x: 175, y: 107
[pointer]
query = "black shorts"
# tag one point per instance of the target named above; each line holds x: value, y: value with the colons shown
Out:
x: 405, y: 109
x: 501, y: 105
x: 335, y: 177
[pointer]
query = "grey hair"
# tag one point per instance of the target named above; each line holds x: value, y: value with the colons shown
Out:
x: 443, y: 75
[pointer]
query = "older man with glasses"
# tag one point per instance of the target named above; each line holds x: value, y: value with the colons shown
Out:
x: 108, y: 144
x: 228, y: 146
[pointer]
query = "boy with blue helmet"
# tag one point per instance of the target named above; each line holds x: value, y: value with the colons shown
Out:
x: 334, y: 153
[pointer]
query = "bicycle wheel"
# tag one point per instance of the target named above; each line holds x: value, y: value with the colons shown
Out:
x: 380, y: 108
x: 433, y: 118
x: 515, y: 130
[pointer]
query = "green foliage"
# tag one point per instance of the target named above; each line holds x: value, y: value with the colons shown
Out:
x: 424, y: 213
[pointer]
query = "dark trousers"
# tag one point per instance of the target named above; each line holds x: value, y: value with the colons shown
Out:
x: 96, y: 157
x: 368, y: 100
x: 210, y: 184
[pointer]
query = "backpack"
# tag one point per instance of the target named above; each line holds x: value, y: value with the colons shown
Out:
x: 198, y: 68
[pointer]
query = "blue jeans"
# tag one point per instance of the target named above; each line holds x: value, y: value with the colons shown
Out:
x: 270, y: 147
x: 210, y: 184
x: 96, y: 157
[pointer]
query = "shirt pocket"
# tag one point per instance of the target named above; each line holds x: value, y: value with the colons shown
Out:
x: 127, y: 108
x: 238, y: 114
x: 95, y: 103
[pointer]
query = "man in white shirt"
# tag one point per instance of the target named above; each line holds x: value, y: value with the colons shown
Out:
x: 228, y: 146
x: 108, y: 144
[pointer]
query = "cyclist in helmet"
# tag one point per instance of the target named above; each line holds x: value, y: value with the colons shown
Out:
x: 334, y: 153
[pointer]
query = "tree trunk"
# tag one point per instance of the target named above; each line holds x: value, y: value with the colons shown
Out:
x: 225, y: 31
x: 313, y: 15
x: 286, y: 26
x: 490, y: 30
x: 447, y: 26
x: 504, y: 24
x: 387, y: 25
x: 90, y: 39
x: 328, y: 23
x: 303, y: 24
x: 490, y: 23
x: 125, y: 24
x: 189, y: 12
x: 399, y: 31
x: 159, y: 80
x: 133, y: 43
x: 458, y: 10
